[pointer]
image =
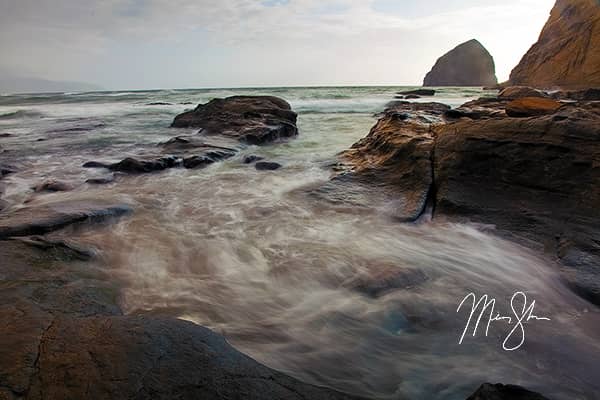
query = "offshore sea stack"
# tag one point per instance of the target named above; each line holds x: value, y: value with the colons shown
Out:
x: 567, y: 54
x: 468, y: 64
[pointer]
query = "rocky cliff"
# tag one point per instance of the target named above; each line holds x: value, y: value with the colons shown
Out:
x: 567, y: 53
x: 468, y: 64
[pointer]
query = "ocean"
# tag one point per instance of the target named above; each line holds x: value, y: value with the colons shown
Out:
x: 252, y: 256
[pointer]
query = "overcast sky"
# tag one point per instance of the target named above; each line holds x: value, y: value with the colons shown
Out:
x: 142, y: 44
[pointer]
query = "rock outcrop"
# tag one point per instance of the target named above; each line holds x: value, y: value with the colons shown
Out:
x: 566, y: 54
x: 249, y: 119
x: 487, y: 391
x: 468, y: 64
x: 536, y: 178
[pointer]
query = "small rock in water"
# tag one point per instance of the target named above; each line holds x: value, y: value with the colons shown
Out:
x: 95, y: 164
x: 412, y: 96
x: 6, y: 135
x: 267, y: 166
x: 53, y: 186
x: 252, y: 159
x: 419, y: 92
x: 159, y: 103
x: 6, y: 170
x: 487, y: 391
x: 135, y: 166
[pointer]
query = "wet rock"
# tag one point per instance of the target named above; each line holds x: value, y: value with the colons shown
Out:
x: 6, y: 135
x: 38, y: 220
x: 267, y: 166
x: 249, y: 119
x: 63, y: 249
x: 566, y: 54
x: 469, y: 64
x: 419, y: 92
x: 252, y: 159
x: 183, y: 145
x: 412, y: 97
x: 531, y: 106
x: 6, y: 170
x: 517, y: 92
x: 159, y: 103
x: 52, y: 185
x: 488, y: 391
x: 139, y: 166
x: 207, y: 158
x: 592, y: 94
x: 485, y: 107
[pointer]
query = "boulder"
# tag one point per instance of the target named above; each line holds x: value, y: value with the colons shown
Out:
x: 531, y: 106
x: 249, y: 119
x: 144, y: 165
x: 487, y: 391
x: 469, y: 64
x: 517, y: 92
x: 38, y: 220
x: 566, y: 54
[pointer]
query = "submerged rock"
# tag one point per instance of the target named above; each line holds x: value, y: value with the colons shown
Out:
x: 101, y: 181
x: 249, y: 119
x: 252, y: 159
x: 53, y: 186
x: 468, y: 64
x: 267, y: 166
x: 38, y: 220
x: 207, y: 158
x: 566, y: 54
x: 487, y: 391
x: 6, y: 170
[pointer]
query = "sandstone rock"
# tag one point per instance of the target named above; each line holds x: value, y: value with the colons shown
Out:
x: 531, y: 106
x: 487, y: 391
x: 591, y: 94
x: 249, y: 119
x: 37, y: 220
x: 267, y: 166
x: 517, y: 92
x: 419, y: 92
x: 469, y: 64
x: 566, y: 54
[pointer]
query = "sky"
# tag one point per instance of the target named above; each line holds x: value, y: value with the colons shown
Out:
x: 146, y: 44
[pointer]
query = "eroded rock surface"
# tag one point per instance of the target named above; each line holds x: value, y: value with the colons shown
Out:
x: 566, y: 54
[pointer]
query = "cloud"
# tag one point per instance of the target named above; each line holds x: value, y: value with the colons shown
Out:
x: 247, y: 42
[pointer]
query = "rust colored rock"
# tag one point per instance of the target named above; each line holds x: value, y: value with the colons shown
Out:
x: 468, y: 64
x: 566, y: 54
x: 517, y: 92
x: 531, y: 106
x: 249, y: 119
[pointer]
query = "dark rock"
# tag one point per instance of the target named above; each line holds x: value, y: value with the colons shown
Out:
x: 6, y: 170
x: 592, y: 94
x: 487, y: 391
x: 38, y: 220
x: 207, y: 158
x: 267, y: 166
x: 6, y: 135
x: 140, y: 166
x: 159, y: 103
x: 53, y: 186
x: 517, y: 92
x: 412, y: 96
x: 566, y: 54
x: 249, y: 119
x: 186, y: 144
x: 469, y: 64
x: 419, y: 92
x: 531, y: 106
x: 95, y: 164
x: 252, y: 159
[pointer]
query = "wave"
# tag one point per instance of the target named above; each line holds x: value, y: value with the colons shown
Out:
x: 21, y: 114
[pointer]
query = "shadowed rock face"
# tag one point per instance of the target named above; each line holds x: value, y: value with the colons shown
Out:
x: 566, y: 54
x: 249, y: 119
x: 469, y: 64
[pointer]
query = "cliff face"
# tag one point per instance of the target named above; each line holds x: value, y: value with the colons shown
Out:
x: 567, y: 53
x: 469, y: 64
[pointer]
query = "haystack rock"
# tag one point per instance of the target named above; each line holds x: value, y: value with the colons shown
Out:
x: 468, y: 64
x: 567, y: 53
